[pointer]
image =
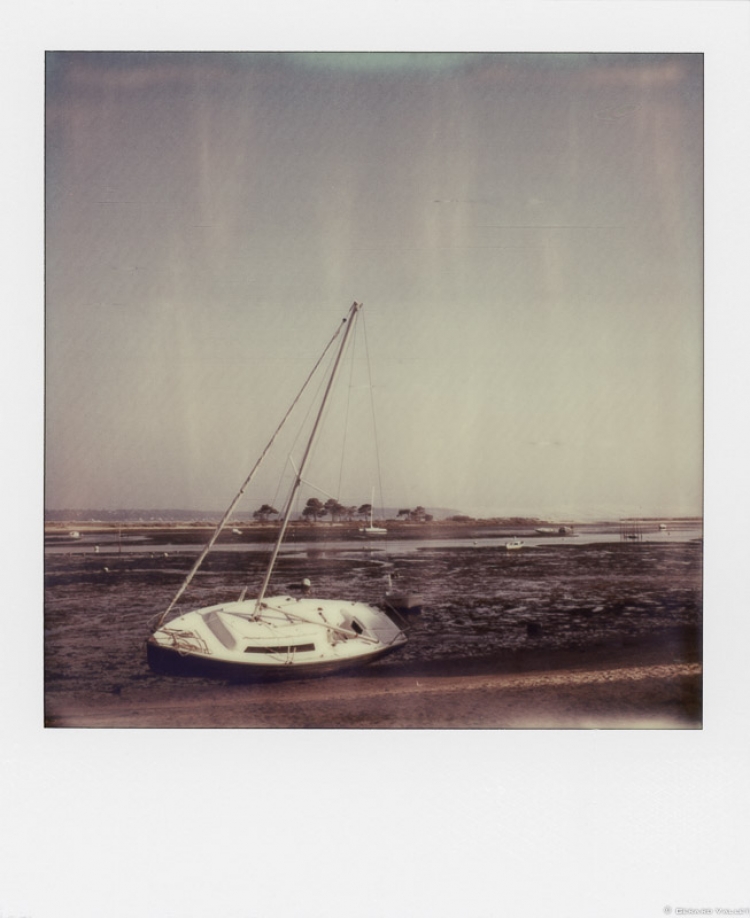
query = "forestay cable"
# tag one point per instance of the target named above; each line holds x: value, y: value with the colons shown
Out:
x: 209, y: 545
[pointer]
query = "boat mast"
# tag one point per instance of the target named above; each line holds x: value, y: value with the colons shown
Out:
x: 349, y: 322
x: 222, y: 523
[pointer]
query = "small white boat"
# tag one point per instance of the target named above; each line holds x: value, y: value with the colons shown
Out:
x: 372, y: 530
x: 403, y: 602
x: 514, y: 544
x: 282, y: 635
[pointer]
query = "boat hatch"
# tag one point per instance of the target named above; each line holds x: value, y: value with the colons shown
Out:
x: 348, y: 625
x: 295, y: 648
x: 219, y: 629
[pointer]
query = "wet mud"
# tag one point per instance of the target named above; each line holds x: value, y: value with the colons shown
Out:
x: 486, y: 611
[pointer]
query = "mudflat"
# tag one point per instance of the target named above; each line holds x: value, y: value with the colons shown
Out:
x: 567, y: 635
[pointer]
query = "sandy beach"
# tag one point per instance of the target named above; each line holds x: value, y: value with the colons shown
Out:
x: 643, y: 686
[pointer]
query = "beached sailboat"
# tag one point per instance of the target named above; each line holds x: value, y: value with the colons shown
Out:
x: 283, y: 635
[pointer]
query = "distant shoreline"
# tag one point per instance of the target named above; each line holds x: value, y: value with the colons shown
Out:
x: 456, y: 523
x: 198, y: 532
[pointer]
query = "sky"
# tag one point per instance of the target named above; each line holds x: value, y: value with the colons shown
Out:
x: 525, y: 231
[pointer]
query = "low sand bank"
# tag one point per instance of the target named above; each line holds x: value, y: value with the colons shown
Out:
x: 620, y: 688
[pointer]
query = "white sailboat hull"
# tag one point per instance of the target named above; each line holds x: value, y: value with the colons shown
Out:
x: 285, y: 636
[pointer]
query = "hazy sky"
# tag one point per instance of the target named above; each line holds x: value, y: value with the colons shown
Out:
x: 525, y: 231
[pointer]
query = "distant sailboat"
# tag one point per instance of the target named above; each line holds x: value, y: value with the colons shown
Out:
x: 373, y: 530
x: 282, y: 635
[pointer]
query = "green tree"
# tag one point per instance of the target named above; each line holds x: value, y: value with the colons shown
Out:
x: 264, y: 512
x: 333, y: 507
x: 313, y: 509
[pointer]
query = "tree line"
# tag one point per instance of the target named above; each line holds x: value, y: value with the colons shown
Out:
x: 315, y: 510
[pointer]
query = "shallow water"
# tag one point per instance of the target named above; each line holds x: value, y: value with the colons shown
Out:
x: 478, y: 598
